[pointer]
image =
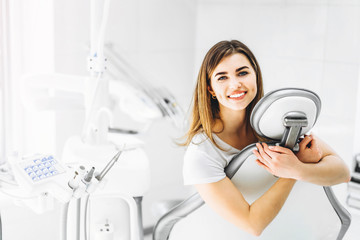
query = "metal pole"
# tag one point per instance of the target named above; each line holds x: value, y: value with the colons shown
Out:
x: 138, y: 201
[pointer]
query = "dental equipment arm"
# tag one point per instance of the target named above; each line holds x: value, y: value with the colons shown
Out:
x: 157, y: 102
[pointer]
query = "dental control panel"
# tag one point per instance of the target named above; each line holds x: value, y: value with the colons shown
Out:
x: 41, y: 179
x: 42, y: 174
x: 39, y: 168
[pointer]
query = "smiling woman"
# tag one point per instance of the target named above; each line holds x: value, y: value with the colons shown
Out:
x: 228, y: 87
x: 212, y: 76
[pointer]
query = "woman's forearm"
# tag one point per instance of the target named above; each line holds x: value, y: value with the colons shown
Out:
x: 265, y: 208
x: 225, y: 199
x: 329, y: 171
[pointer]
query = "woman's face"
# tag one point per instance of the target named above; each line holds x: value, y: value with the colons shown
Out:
x: 233, y: 82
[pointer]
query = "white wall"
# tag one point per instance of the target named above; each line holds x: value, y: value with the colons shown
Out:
x: 31, y: 50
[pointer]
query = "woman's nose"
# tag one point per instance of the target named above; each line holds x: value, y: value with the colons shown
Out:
x: 235, y: 83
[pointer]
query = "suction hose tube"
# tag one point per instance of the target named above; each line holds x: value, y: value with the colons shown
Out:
x: 86, y: 222
x: 65, y: 210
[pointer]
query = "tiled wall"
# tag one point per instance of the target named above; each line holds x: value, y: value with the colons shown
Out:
x: 308, y: 44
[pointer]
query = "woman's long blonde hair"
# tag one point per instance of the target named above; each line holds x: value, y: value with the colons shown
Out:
x: 205, y: 109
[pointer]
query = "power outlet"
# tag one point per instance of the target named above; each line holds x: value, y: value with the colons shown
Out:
x: 104, y: 231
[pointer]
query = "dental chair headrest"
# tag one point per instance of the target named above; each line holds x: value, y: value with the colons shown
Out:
x: 268, y: 115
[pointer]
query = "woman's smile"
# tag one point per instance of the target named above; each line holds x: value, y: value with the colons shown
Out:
x: 237, y: 95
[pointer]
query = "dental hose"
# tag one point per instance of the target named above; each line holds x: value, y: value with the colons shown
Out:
x: 78, y: 213
x: 85, y: 217
x: 65, y: 211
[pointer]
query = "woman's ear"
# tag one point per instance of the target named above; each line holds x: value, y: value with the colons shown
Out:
x: 210, y: 90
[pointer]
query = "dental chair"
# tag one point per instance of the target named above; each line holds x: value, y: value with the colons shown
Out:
x: 311, y: 212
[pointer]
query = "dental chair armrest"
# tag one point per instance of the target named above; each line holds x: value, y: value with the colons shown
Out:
x: 239, y: 159
x: 164, y: 226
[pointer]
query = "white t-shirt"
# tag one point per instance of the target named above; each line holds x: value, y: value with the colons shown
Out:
x: 204, y: 162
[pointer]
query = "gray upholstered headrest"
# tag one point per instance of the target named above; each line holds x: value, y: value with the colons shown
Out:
x: 267, y: 117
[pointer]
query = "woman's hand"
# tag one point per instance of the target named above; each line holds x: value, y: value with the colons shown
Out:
x: 282, y: 162
x: 310, y: 151
x: 277, y: 160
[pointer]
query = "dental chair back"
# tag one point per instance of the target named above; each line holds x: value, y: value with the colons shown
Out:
x: 311, y: 212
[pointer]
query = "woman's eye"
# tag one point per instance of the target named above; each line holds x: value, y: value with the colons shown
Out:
x: 221, y: 78
x: 243, y: 73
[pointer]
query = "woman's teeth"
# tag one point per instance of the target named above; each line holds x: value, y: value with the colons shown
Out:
x: 237, y: 95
